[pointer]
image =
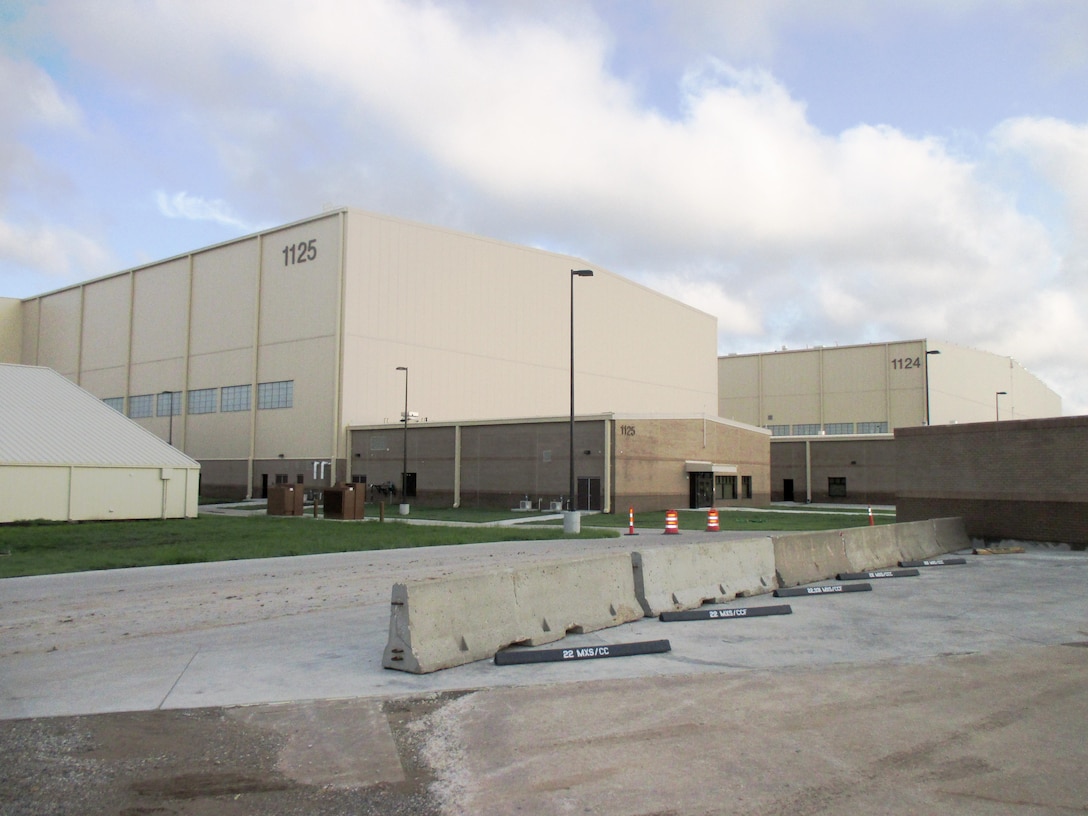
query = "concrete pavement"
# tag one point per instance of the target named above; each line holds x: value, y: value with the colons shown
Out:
x: 939, y: 683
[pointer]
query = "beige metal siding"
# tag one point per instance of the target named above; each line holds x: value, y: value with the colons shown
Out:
x: 855, y: 383
x: 224, y: 310
x: 65, y: 455
x: 484, y: 328
x: 160, y: 327
x: 34, y: 493
x: 964, y: 383
x: 906, y: 384
x: 739, y: 395
x: 791, y: 387
x: 298, y: 337
x: 58, y: 343
x: 104, y: 336
x: 11, y: 330
x: 880, y: 382
x: 31, y: 322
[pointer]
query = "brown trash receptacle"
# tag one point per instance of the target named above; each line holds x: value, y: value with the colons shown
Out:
x: 285, y: 500
x: 345, y: 501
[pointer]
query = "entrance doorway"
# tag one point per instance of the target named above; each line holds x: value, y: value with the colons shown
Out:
x: 701, y: 486
x: 589, y: 493
x: 787, y: 490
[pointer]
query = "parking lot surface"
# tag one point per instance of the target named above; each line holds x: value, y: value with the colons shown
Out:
x: 257, y: 687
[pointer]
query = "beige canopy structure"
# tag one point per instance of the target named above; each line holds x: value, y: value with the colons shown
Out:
x: 67, y: 456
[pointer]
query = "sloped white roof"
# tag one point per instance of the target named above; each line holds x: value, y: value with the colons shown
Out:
x: 46, y: 419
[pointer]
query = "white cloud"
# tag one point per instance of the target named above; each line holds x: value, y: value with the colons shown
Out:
x: 57, y: 252
x: 195, y: 208
x: 514, y: 126
x: 29, y: 96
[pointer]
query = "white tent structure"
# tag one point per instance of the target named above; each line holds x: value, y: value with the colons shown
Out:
x: 67, y: 456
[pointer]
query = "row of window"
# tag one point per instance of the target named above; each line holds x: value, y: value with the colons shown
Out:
x: 831, y: 428
x: 725, y: 487
x: 229, y: 398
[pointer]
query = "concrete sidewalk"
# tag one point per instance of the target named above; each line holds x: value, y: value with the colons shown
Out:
x: 923, y: 682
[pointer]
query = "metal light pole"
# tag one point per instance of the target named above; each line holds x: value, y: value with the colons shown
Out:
x: 997, y: 409
x: 404, y: 466
x: 935, y: 351
x: 571, y: 520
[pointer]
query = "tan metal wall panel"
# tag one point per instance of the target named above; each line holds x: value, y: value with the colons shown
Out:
x: 964, y: 383
x: 60, y: 493
x: 304, y: 429
x: 160, y: 314
x: 484, y: 328
x: 116, y: 493
x: 106, y: 319
x: 215, y: 370
x: 300, y: 289
x: 906, y: 384
x: 33, y: 493
x: 58, y: 342
x: 155, y: 376
x: 739, y: 390
x: 878, y: 382
x: 852, y: 369
x: 11, y: 330
x: 106, y: 383
x: 218, y: 436
x: 225, y: 303
x: 31, y: 321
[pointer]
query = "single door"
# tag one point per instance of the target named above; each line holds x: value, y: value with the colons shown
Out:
x: 787, y: 490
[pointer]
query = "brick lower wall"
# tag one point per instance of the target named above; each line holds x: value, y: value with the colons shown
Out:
x: 1024, y: 479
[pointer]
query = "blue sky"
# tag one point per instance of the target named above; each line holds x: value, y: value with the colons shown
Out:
x: 811, y: 173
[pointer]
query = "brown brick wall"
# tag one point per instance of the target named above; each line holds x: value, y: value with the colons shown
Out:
x: 1024, y: 479
x: 650, y: 456
x: 867, y: 464
x: 504, y: 462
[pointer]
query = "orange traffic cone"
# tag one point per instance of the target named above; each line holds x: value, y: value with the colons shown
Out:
x: 672, y: 523
x: 712, y: 521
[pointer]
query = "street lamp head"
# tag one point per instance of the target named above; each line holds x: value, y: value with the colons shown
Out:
x: 934, y: 351
x: 582, y: 273
x: 402, y: 368
x: 1001, y: 392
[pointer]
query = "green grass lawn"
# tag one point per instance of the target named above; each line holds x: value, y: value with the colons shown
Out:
x: 792, y: 520
x: 40, y: 548
x: 43, y: 547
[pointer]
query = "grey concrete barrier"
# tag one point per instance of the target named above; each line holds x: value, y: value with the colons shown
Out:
x: 949, y: 535
x: 917, y: 539
x: 872, y: 547
x: 805, y: 558
x: 438, y: 623
x: 685, y: 576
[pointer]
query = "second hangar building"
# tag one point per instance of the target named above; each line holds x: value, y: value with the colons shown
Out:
x: 290, y: 356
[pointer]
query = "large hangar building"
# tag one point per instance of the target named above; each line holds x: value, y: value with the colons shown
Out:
x: 259, y: 355
x: 833, y: 410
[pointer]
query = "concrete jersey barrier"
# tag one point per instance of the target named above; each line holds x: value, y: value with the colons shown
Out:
x: 443, y: 622
x: 439, y: 623
x: 807, y: 557
x: 685, y: 576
